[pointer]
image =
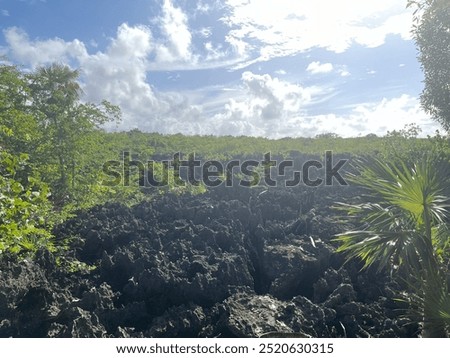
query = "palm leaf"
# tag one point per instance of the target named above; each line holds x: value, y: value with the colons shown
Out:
x: 413, y: 190
x: 405, y: 222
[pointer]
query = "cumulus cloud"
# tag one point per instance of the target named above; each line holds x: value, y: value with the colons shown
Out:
x: 120, y: 75
x: 174, y: 26
x: 266, y: 104
x: 42, y: 52
x: 173, y: 46
x: 316, y: 67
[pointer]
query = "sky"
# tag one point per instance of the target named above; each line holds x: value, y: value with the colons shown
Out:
x: 284, y: 68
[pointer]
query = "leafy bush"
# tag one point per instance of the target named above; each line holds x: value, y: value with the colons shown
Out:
x: 24, y: 208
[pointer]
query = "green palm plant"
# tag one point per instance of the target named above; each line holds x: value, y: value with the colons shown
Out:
x: 404, y: 224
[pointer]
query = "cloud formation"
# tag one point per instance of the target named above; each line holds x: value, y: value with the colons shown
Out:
x: 255, y: 103
x: 178, y: 38
x: 265, y: 106
x: 40, y: 52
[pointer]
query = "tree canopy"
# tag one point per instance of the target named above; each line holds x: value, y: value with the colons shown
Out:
x: 432, y: 34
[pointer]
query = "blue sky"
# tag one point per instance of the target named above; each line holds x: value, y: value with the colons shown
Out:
x: 242, y: 67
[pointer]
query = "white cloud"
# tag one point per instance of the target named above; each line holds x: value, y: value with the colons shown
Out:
x: 377, y: 118
x: 120, y: 75
x: 267, y: 104
x: 344, y: 73
x: 240, y: 47
x: 174, y: 26
x: 213, y: 53
x: 316, y: 67
x: 5, y: 12
x: 292, y: 26
x: 131, y: 42
x: 42, y: 52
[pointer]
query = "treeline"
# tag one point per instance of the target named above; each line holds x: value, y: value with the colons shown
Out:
x: 399, y: 143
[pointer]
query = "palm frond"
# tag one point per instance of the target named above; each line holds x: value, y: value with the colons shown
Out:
x: 441, y: 241
x: 405, y: 223
x: 382, y: 247
x: 388, y: 236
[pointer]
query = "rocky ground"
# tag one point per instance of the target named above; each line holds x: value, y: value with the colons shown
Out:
x: 233, y: 262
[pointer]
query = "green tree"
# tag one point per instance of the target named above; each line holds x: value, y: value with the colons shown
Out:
x: 69, y: 130
x: 18, y: 128
x: 404, y: 225
x: 432, y: 34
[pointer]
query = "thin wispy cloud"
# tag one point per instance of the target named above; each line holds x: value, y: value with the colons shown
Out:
x: 295, y: 26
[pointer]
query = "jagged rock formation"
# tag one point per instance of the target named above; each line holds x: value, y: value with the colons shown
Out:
x: 232, y: 263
